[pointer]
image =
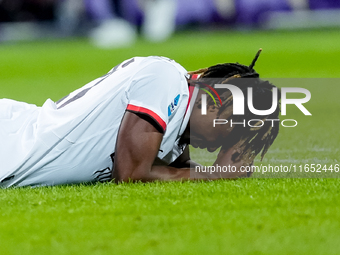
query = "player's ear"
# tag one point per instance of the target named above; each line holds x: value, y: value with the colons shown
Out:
x: 212, y: 108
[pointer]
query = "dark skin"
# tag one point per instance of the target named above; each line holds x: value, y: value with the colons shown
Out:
x: 138, y: 143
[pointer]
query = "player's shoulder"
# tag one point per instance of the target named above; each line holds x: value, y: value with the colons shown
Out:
x: 162, y: 65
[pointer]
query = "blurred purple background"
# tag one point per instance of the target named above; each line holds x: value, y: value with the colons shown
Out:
x: 188, y: 11
x: 74, y: 17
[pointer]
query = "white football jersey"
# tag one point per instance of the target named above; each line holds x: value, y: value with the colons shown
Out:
x: 74, y: 139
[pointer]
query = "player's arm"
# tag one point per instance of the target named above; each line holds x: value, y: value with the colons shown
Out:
x: 137, y: 146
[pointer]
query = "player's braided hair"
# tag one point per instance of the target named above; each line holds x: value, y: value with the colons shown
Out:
x: 250, y: 140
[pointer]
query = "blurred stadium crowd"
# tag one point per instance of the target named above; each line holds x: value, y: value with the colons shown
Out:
x: 157, y: 19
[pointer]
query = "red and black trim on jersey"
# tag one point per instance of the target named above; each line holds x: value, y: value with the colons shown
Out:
x: 191, y: 90
x: 154, y: 116
x: 151, y: 114
x: 194, y: 77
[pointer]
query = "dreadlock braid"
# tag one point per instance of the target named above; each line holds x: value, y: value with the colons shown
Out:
x: 250, y: 140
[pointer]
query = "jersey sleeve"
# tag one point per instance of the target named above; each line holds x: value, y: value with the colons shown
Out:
x: 154, y: 89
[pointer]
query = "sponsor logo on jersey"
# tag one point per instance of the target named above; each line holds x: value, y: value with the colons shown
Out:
x: 173, y: 105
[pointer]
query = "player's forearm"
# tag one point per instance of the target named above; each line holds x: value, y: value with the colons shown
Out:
x: 169, y: 173
x: 161, y: 173
x: 195, y: 172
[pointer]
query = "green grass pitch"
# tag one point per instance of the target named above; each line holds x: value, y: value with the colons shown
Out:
x: 246, y: 216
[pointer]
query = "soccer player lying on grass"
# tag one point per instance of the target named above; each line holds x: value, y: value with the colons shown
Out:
x: 131, y: 124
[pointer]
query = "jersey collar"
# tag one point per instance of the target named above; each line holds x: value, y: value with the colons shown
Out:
x: 193, y: 92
